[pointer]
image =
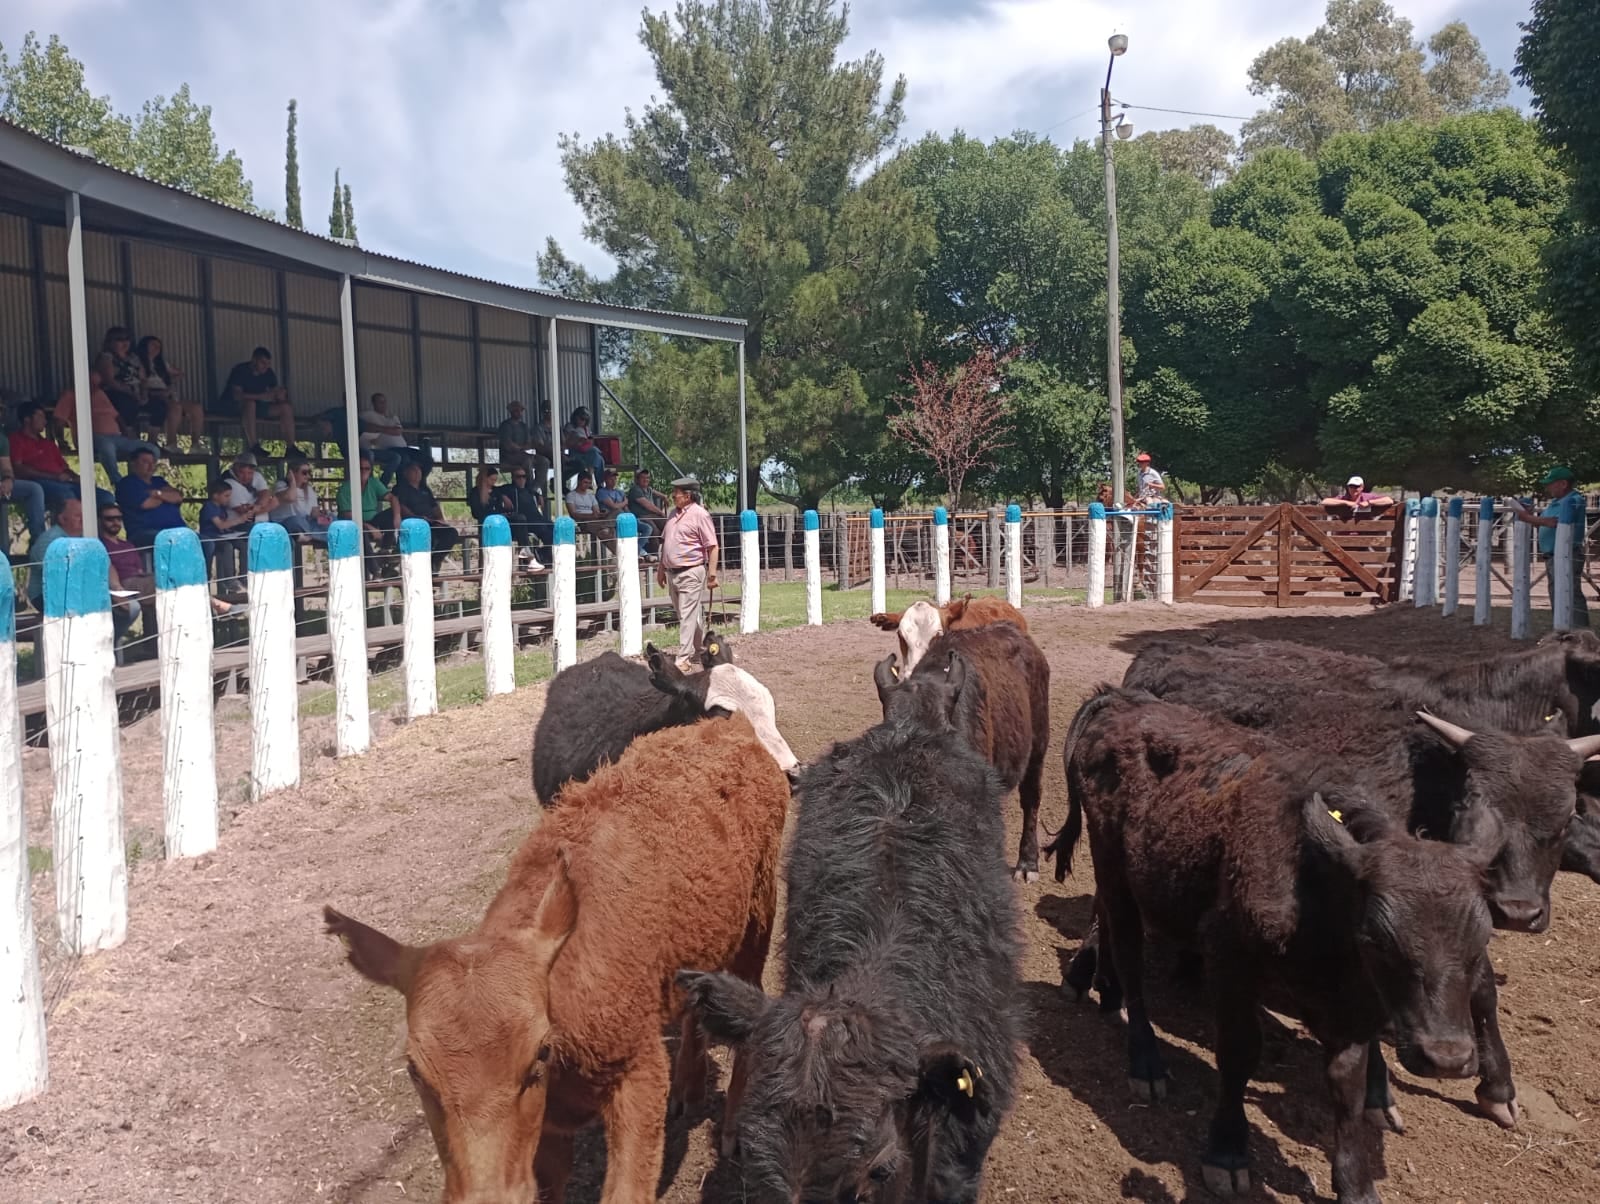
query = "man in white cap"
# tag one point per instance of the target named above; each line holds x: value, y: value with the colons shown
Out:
x: 688, y: 566
x: 1356, y: 500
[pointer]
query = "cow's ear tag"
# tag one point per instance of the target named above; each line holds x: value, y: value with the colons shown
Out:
x: 964, y: 1084
x: 1548, y: 718
x: 713, y: 649
x: 1338, y: 816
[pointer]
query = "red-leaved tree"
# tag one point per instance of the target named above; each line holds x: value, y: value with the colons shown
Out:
x: 956, y: 418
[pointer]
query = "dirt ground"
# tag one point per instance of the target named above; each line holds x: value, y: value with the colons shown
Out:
x: 225, y: 1052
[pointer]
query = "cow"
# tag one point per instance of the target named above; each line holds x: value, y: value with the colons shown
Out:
x: 550, y: 1014
x: 1002, y: 709
x: 1288, y: 880
x: 920, y: 623
x: 596, y: 708
x: 882, y: 1072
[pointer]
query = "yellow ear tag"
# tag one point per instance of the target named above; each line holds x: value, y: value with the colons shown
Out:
x: 1338, y: 816
x: 964, y: 1084
x: 1549, y: 717
x: 713, y: 649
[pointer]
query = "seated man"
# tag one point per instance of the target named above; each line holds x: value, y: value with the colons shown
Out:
x: 148, y: 503
x: 411, y: 498
x: 383, y: 435
x: 612, y: 500
x: 299, y: 510
x: 1356, y: 500
x: 13, y: 491
x: 35, y: 457
x: 251, y: 394
x: 526, y: 512
x: 648, y: 507
x: 377, y: 516
x: 223, y: 536
x: 515, y: 437
x: 66, y: 519
x: 128, y: 564
x: 249, y: 497
x: 584, y: 507
x: 111, y: 446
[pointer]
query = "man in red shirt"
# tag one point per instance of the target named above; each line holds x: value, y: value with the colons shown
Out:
x: 35, y: 457
x: 688, y: 566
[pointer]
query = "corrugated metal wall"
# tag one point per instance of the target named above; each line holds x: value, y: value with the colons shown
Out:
x: 574, y: 344
x: 506, y: 374
x: 19, y: 341
x: 318, y: 364
x: 446, y: 385
x: 383, y: 365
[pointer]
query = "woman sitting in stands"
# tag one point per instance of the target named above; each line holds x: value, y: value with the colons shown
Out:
x: 486, y: 498
x: 161, y: 384
x: 122, y: 377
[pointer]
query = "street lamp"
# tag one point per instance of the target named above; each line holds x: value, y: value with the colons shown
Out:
x: 1118, y: 42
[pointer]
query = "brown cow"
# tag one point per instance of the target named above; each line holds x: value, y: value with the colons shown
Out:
x: 921, y: 622
x: 550, y: 1015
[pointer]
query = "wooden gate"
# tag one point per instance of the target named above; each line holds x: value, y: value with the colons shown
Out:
x: 1285, y: 556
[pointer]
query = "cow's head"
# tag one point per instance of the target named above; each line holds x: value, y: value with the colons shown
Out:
x: 845, y: 1099
x: 1530, y: 782
x: 1580, y: 854
x: 715, y: 651
x: 720, y: 691
x: 929, y: 696
x: 915, y: 627
x: 1422, y: 925
x: 479, y: 1039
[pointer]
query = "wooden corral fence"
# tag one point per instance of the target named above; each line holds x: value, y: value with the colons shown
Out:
x: 1282, y: 556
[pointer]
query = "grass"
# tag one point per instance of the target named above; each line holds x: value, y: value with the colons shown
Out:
x: 783, y: 603
x: 39, y: 860
x: 459, y: 685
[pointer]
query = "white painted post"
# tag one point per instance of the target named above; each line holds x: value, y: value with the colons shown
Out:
x: 188, y: 736
x: 941, y: 555
x: 1452, y: 557
x: 750, y: 570
x: 1164, y: 553
x: 274, y: 694
x: 91, y: 865
x: 880, y: 584
x: 1425, y: 591
x: 1097, y: 554
x: 813, y: 569
x: 347, y: 624
x: 1482, y: 562
x: 564, y: 595
x: 1521, y: 573
x: 1408, y: 551
x: 1563, y: 564
x: 630, y: 617
x: 494, y: 600
x: 416, y: 648
x: 1014, y: 554
x: 24, y: 1059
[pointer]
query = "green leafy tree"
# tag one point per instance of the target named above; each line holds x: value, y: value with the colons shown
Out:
x: 173, y: 143
x: 349, y: 215
x: 43, y: 90
x: 1202, y: 151
x: 336, y: 214
x: 291, y: 174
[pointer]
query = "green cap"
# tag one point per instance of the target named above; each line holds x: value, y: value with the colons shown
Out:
x: 1559, y: 473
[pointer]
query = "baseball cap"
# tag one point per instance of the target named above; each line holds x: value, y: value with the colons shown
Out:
x: 1357, y: 482
x: 1559, y: 473
x: 1142, y: 458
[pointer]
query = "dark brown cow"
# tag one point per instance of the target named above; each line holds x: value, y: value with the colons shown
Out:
x: 1285, y: 878
x: 549, y: 1016
x: 920, y: 623
x: 1002, y: 709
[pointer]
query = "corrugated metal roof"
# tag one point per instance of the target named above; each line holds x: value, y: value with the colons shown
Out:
x: 338, y: 253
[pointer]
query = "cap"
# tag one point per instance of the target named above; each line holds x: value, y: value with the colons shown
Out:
x: 1357, y: 482
x: 248, y: 458
x: 686, y: 483
x: 1142, y: 458
x: 1559, y: 473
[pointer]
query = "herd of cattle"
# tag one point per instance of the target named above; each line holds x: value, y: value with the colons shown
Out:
x: 1332, y: 835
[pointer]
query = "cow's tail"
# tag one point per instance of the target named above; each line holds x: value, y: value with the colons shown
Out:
x: 1065, y: 841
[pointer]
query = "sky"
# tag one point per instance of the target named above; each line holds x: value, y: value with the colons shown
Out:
x: 443, y: 115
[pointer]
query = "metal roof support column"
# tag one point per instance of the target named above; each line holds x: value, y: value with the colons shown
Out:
x: 352, y: 405
x: 78, y: 308
x: 744, y: 449
x: 557, y: 421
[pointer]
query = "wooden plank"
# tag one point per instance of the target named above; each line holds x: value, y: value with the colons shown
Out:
x: 1328, y: 545
x: 1267, y: 600
x: 1285, y: 554
x: 1238, y: 545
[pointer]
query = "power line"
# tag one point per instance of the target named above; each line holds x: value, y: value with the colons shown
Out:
x: 1182, y: 112
x: 1069, y: 120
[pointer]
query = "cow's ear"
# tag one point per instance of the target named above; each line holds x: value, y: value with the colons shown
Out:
x: 1327, y: 834
x: 665, y: 674
x: 1478, y: 832
x: 557, y: 915
x: 950, y: 1080
x: 380, y: 958
x: 728, y: 1008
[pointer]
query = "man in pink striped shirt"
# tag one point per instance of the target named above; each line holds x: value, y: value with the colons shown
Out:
x: 688, y: 566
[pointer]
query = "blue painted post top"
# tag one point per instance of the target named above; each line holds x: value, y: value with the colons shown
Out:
x: 1486, y: 510
x: 178, y: 559
x: 269, y: 549
x: 1013, y: 513
x: 1413, y: 507
x: 1165, y: 509
x: 747, y: 521
x: 566, y: 530
x: 415, y: 536
x: 77, y: 578
x: 1430, y: 507
x: 496, y: 531
x: 1097, y: 512
x: 1456, y: 506
x: 876, y: 518
x: 941, y: 517
x: 344, y: 539
x: 811, y: 523
x: 8, y: 602
x: 627, y: 527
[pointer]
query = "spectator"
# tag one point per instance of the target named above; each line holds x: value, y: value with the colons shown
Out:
x: 1558, y: 483
x: 577, y: 441
x: 612, y: 500
x: 515, y: 436
x: 110, y: 445
x: 486, y: 497
x: 688, y: 566
x: 223, y: 536
x: 544, y: 445
x: 377, y: 518
x: 581, y: 501
x: 128, y: 564
x: 66, y: 513
x: 253, y: 393
x: 648, y: 506
x: 383, y: 435
x: 250, y: 499
x: 27, y: 494
x: 299, y: 510
x: 122, y: 376
x: 1356, y: 499
x: 529, y: 521
x: 148, y: 503
x: 412, y: 498
x: 161, y: 384
x: 35, y: 457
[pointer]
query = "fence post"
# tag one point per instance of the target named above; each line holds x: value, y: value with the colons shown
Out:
x: 941, y: 556
x: 1452, y: 557
x: 564, y: 595
x: 416, y: 640
x: 1097, y: 554
x: 1564, y: 565
x: 813, y: 570
x: 992, y: 545
x: 1408, y: 551
x: 1014, y: 554
x: 91, y: 867
x: 274, y: 696
x: 188, y: 739
x: 750, y: 566
x: 1165, y: 572
x: 880, y: 586
x: 1426, y: 588
x: 1521, y: 571
x: 347, y: 625
x: 494, y: 601
x: 630, y: 617
x: 1482, y: 562
x: 24, y: 1060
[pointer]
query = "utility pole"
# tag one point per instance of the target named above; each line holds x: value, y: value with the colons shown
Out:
x: 1119, y: 484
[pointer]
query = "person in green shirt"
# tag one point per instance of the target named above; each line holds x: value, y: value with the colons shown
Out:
x: 377, y: 517
x: 1559, y: 485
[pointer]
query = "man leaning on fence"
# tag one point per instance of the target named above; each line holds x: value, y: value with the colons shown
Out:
x: 688, y: 566
x: 1558, y: 484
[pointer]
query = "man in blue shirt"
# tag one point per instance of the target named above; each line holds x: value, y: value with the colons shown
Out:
x: 1558, y: 485
x: 148, y: 503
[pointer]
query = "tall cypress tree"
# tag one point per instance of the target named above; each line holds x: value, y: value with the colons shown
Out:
x: 349, y: 216
x: 291, y: 175
x: 336, y: 215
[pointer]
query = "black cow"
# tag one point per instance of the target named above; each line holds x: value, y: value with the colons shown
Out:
x: 593, y: 710
x: 1002, y: 709
x: 1286, y: 879
x: 883, y: 1071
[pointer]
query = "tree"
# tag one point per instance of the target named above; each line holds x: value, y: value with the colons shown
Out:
x: 349, y: 216
x: 336, y: 214
x: 957, y: 418
x: 1360, y: 69
x: 173, y: 144
x: 291, y: 175
x: 1559, y: 62
x: 1202, y: 151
